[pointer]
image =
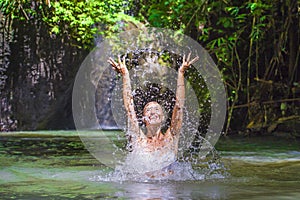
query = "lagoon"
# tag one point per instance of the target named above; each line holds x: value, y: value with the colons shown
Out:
x: 56, y: 165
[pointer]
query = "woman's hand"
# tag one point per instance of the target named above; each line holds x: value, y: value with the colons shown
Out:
x: 186, y: 63
x: 119, y: 66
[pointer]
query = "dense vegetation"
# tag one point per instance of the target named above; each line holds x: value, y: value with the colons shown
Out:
x: 255, y: 44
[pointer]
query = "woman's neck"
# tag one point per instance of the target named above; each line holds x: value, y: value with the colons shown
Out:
x: 153, y: 131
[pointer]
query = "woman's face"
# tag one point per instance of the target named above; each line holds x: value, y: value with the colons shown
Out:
x: 153, y: 114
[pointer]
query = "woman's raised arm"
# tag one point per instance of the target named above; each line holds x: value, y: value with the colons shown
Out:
x: 120, y: 67
x: 177, y: 115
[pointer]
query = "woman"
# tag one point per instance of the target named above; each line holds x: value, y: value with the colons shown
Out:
x: 154, y: 150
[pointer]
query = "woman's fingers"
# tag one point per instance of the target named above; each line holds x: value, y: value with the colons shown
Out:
x: 186, y: 61
x: 119, y: 66
x: 194, y: 60
x: 114, y: 64
x: 124, y: 60
x: 121, y: 60
x: 111, y: 61
x: 188, y: 58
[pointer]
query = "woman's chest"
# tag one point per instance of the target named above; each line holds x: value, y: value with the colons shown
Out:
x: 156, y: 144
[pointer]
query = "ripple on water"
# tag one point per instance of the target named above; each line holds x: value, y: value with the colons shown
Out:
x: 264, y: 157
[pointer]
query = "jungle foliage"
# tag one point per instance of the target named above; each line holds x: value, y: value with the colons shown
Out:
x: 255, y: 44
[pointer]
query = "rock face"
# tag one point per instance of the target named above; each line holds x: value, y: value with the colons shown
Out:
x: 103, y: 98
x: 59, y: 116
x: 37, y: 72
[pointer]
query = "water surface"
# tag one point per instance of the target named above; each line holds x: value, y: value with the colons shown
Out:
x: 56, y: 165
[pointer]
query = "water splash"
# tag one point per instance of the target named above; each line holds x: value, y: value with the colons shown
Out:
x: 190, y: 166
x: 178, y: 171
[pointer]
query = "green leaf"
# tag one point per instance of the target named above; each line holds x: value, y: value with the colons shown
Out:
x: 55, y: 30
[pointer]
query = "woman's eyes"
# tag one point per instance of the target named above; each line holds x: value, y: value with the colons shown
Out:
x: 149, y: 109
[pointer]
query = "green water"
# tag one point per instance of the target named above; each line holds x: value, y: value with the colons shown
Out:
x: 56, y: 165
